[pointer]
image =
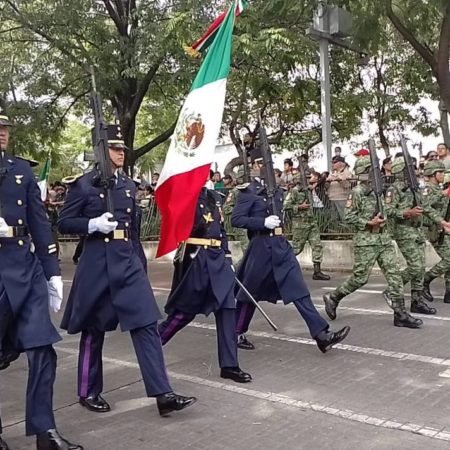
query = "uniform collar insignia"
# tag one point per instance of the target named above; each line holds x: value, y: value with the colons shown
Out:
x: 208, y: 218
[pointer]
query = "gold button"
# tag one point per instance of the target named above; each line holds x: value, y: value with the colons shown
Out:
x: 20, y: 222
x: 19, y: 202
x: 102, y: 195
x: 20, y: 242
x: 106, y: 240
x: 128, y: 194
x: 127, y: 224
x: 18, y: 181
x: 126, y: 239
x: 128, y: 210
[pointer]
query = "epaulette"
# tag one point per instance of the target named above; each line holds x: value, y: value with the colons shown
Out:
x: 31, y: 162
x: 71, y: 179
x: 243, y: 186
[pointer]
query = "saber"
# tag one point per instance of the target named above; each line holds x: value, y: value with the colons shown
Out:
x: 269, y: 321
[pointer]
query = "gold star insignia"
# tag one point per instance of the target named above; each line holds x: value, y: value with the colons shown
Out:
x: 208, y: 218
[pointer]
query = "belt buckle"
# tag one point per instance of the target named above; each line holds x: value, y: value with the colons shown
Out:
x: 119, y: 234
x: 278, y: 231
x: 10, y: 232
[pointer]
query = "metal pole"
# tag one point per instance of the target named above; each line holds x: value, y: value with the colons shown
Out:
x: 325, y: 93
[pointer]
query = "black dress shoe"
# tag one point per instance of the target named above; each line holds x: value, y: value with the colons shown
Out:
x: 170, y: 402
x: 3, y: 444
x: 244, y: 343
x: 235, y: 374
x: 95, y: 403
x: 52, y: 440
x: 331, y: 338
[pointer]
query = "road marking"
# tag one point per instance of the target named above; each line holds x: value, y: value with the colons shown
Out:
x: 273, y: 397
x: 352, y: 348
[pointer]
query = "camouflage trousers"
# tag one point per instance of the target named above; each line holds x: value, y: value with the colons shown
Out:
x: 443, y: 266
x: 240, y: 235
x: 413, y: 250
x: 365, y: 258
x: 307, y: 232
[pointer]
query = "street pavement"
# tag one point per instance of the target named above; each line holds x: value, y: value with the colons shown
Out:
x: 385, y: 388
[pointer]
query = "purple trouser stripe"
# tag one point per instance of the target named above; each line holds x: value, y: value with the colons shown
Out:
x: 171, y: 328
x: 242, y: 318
x: 85, y: 368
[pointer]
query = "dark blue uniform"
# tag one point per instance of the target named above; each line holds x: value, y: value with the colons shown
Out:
x: 203, y: 281
x: 23, y: 287
x: 110, y: 286
x: 269, y: 268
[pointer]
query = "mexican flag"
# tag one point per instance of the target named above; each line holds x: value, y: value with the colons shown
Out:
x: 43, y: 179
x: 191, y: 150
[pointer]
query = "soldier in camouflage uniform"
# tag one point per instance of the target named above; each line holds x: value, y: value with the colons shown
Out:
x: 371, y: 243
x: 435, y: 197
x: 407, y: 221
x: 238, y: 234
x: 305, y: 228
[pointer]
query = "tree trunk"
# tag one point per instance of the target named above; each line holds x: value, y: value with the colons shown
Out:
x: 444, y: 122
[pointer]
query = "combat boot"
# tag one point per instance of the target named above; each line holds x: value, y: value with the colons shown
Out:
x: 418, y: 306
x: 402, y: 318
x: 447, y: 297
x: 426, y: 293
x: 318, y: 274
x: 52, y: 440
x: 331, y: 301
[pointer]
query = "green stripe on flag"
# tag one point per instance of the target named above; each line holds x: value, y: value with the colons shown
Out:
x: 216, y: 65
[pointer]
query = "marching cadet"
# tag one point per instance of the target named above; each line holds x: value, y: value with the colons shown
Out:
x: 438, y: 200
x: 203, y: 283
x: 372, y: 243
x: 407, y: 221
x: 230, y: 202
x: 30, y: 282
x: 269, y: 269
x: 110, y: 285
x: 304, y: 226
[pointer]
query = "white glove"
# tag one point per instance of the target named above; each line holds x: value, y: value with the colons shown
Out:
x: 55, y: 293
x: 102, y: 224
x: 4, y: 228
x: 272, y: 222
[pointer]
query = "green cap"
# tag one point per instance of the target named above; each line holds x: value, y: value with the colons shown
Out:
x: 431, y: 167
x: 398, y: 165
x: 362, y: 165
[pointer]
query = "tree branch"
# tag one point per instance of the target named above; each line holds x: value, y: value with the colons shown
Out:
x: 426, y: 55
x: 115, y: 18
x: 154, y: 142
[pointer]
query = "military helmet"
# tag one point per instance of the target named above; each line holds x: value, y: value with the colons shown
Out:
x: 398, y: 165
x: 431, y: 167
x: 362, y: 165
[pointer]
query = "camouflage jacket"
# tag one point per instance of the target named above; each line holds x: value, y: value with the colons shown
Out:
x: 436, y: 199
x: 398, y: 199
x: 295, y: 198
x: 360, y: 209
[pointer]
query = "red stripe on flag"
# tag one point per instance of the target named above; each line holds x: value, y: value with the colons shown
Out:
x: 177, y: 199
x: 212, y: 29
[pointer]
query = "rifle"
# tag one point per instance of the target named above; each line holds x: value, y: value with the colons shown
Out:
x: 271, y: 185
x: 446, y: 218
x: 304, y: 184
x: 105, y: 178
x: 410, y: 171
x: 376, y: 179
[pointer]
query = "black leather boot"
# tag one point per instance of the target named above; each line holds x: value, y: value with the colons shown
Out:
x: 418, y: 306
x: 3, y: 444
x: 244, y: 343
x: 52, y: 440
x: 331, y: 301
x: 447, y: 297
x: 402, y: 318
x: 95, y: 403
x: 318, y: 274
x: 426, y: 293
x: 170, y: 402
x: 235, y: 374
x: 327, y: 339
